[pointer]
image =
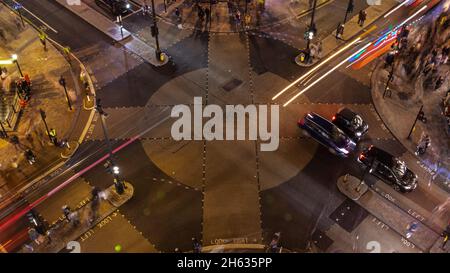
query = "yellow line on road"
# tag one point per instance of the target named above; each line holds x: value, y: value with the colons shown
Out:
x: 372, y: 28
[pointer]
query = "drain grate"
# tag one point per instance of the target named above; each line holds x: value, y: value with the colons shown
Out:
x: 232, y: 85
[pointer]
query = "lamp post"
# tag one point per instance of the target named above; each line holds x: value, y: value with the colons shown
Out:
x: 421, y: 114
x: 14, y: 59
x: 350, y: 7
x: 44, y: 116
x: 62, y: 82
x: 311, y: 28
x: 118, y: 182
x: 18, y: 7
x: 155, y: 32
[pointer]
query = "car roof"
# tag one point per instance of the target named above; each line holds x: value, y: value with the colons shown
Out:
x: 319, y: 120
x: 382, y: 155
x: 347, y: 113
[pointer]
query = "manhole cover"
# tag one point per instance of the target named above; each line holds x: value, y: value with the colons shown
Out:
x: 232, y: 85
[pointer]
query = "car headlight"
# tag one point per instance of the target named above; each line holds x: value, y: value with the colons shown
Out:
x: 358, y: 134
x: 345, y: 151
x: 128, y: 6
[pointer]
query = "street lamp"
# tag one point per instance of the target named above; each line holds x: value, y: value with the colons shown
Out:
x: 118, y: 182
x: 14, y: 59
x: 155, y: 32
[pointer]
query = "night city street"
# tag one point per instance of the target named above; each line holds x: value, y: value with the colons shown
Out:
x: 224, y: 126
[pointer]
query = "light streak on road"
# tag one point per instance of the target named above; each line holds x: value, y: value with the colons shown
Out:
x: 75, y: 176
x: 39, y: 19
x: 316, y: 67
x: 414, y: 15
x: 396, y: 8
x: 324, y: 75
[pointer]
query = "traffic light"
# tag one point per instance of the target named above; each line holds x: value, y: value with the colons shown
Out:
x: 32, y: 218
x: 62, y: 81
x: 421, y: 115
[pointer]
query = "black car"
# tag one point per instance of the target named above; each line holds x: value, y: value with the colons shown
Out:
x: 389, y: 169
x: 351, y: 123
x: 116, y: 7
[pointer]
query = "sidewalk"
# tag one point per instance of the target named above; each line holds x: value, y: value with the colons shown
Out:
x: 112, y: 30
x: 46, y: 94
x: 274, y: 12
x: 16, y: 174
x: 352, y: 29
x: 398, y: 113
x: 411, y: 88
x: 62, y: 232
x: 425, y: 238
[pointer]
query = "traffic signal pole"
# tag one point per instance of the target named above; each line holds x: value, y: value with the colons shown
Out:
x: 155, y: 32
x: 118, y: 183
x: 311, y: 24
x: 415, y: 121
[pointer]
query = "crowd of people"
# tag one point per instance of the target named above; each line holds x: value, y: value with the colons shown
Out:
x: 421, y: 59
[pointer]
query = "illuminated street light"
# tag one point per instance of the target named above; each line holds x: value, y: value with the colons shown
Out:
x: 116, y: 170
x: 14, y: 59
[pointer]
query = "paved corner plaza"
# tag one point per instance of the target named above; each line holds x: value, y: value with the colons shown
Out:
x: 147, y: 126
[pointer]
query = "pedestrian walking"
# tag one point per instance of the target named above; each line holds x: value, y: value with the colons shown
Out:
x: 201, y: 13
x: 178, y: 14
x: 18, y: 23
x: 145, y: 8
x: 237, y: 19
x: 411, y: 228
x: 53, y: 137
x: 43, y: 39
x: 274, y: 246
x: 66, y: 211
x: 362, y: 17
x: 423, y: 145
x: 74, y: 218
x: 197, y: 247
x: 208, y: 15
x: 445, y: 235
x: 3, y: 35
x: 439, y: 83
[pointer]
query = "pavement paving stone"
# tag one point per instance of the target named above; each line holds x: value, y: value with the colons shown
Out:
x: 398, y: 220
x: 113, y: 231
x: 182, y: 89
x: 151, y: 121
x: 47, y: 95
x: 275, y: 168
x: 181, y: 160
x: 107, y: 62
x: 231, y: 206
x: 167, y: 214
x: 74, y: 195
x: 100, y: 22
x: 228, y: 61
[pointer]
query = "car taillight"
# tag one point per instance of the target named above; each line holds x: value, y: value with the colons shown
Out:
x: 301, y: 122
x: 361, y: 157
x: 333, y: 118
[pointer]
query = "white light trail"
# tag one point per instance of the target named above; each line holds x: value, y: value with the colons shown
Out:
x: 326, y: 74
x: 412, y: 16
x: 315, y: 68
x: 396, y: 8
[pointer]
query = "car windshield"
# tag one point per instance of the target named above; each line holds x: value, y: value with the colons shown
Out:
x: 338, y: 137
x: 399, y: 168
